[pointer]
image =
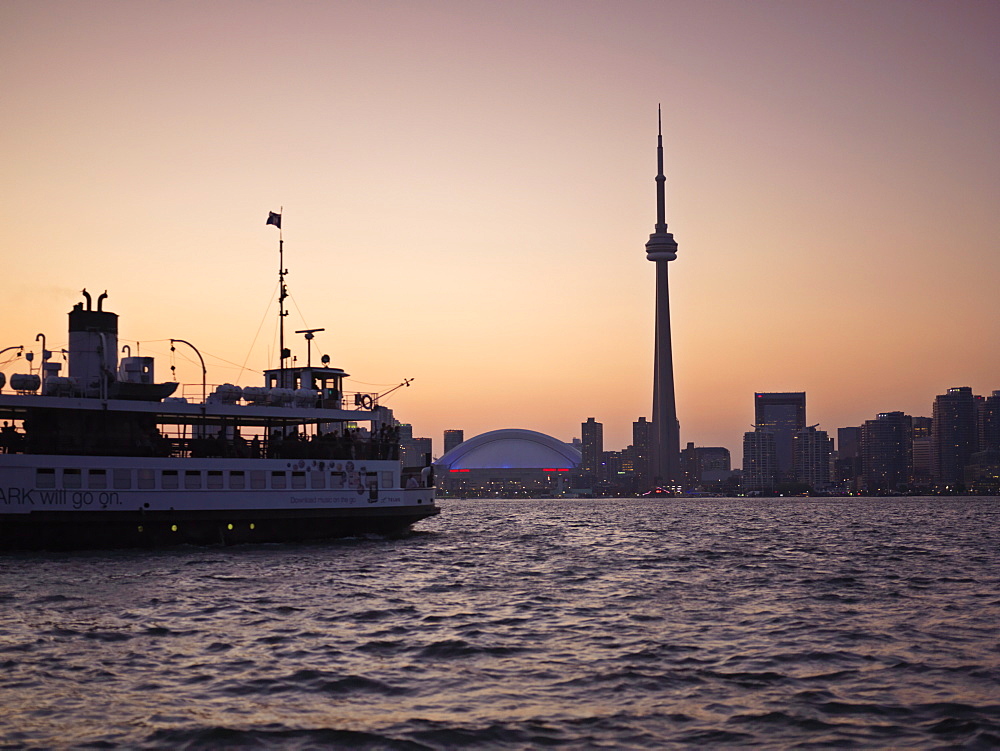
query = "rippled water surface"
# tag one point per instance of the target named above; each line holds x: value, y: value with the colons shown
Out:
x: 865, y: 623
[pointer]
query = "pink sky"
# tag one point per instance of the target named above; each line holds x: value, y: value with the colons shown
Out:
x: 468, y: 187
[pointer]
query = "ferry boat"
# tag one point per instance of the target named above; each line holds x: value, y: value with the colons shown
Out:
x: 106, y: 457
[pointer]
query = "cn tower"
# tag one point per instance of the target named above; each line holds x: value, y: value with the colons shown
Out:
x: 661, y: 249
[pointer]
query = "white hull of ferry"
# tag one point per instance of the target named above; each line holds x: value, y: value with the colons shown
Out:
x: 61, y: 502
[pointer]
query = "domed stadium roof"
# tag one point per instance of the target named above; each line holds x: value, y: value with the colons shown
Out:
x: 511, y: 448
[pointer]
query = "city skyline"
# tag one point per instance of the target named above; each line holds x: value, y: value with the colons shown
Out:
x: 477, y: 177
x: 579, y: 439
x: 957, y: 451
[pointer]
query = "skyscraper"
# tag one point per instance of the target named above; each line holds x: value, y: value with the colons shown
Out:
x: 781, y: 414
x: 661, y: 249
x: 453, y: 438
x: 922, y: 458
x: 982, y: 473
x: 704, y: 464
x: 642, y: 439
x: 848, y: 465
x: 954, y: 433
x: 989, y: 422
x: 759, y: 463
x: 887, y: 451
x: 593, y: 446
x: 811, y: 457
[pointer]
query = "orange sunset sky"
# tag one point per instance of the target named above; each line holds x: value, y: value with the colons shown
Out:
x: 468, y: 187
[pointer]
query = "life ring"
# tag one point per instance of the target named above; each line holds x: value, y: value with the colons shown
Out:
x: 366, y: 401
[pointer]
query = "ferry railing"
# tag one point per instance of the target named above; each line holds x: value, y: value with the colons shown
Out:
x: 350, y: 400
x: 337, y: 446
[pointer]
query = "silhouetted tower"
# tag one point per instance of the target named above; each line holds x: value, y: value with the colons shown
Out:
x: 661, y: 249
x: 593, y: 446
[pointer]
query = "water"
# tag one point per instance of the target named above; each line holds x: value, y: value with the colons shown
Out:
x: 865, y: 623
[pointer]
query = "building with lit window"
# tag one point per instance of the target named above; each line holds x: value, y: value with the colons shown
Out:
x: 847, y: 466
x: 705, y: 467
x: 782, y: 415
x: 415, y: 452
x: 887, y: 452
x: 811, y: 457
x: 642, y: 446
x: 954, y: 434
x: 989, y: 422
x: 592, y: 433
x: 760, y: 463
x: 922, y: 453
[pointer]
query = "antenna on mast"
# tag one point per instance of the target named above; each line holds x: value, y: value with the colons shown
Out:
x: 309, y: 337
x: 661, y: 202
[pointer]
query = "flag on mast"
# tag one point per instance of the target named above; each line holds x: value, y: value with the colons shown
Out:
x: 274, y: 219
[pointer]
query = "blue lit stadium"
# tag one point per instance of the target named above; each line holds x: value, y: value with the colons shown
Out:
x: 509, y: 462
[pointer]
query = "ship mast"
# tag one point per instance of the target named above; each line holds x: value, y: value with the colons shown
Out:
x: 283, y: 353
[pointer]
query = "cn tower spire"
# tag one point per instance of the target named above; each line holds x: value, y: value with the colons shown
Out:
x: 661, y: 249
x: 661, y: 245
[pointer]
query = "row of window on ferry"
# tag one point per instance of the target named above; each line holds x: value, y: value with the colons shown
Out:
x: 172, y: 479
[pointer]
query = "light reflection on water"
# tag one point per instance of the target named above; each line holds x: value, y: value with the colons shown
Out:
x: 614, y: 622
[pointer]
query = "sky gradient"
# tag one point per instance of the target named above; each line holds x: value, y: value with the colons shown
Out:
x: 468, y: 187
